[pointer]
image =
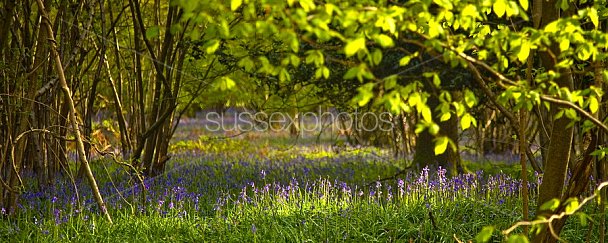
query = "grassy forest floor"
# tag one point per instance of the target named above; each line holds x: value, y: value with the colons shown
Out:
x: 272, y: 188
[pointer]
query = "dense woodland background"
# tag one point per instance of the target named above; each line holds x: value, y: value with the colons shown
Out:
x: 98, y: 78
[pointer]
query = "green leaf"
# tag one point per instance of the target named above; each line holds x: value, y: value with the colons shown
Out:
x: 295, y: 60
x: 420, y: 128
x: 413, y: 99
x: 583, y: 51
x: 322, y: 72
x: 518, y: 238
x: 376, y: 57
x: 593, y: 104
x: 572, y: 205
x: 485, y: 234
x: 426, y: 114
x: 524, y: 51
x: 211, y: 46
x: 352, y: 72
x: 551, y: 27
x: 436, y: 80
x: 445, y: 116
x: 325, y: 72
x: 594, y: 17
x: 441, y: 144
x: 524, y: 4
x: 390, y: 82
x: 550, y: 205
x: 235, y: 4
x: 465, y: 121
x: 469, y: 98
x: 435, y: 28
x: 226, y: 83
x: 365, y: 94
x: 564, y: 5
x: 246, y: 63
x: 405, y: 60
x: 353, y: 46
x: 564, y: 45
x: 433, y: 129
x: 284, y: 75
x: 470, y: 10
x: 499, y: 8
x: 384, y: 40
x: 307, y: 5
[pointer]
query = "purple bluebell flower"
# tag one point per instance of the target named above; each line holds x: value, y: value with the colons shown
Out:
x: 400, y: 184
x: 57, y: 214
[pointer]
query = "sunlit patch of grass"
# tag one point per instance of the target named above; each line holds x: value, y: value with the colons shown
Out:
x: 228, y: 190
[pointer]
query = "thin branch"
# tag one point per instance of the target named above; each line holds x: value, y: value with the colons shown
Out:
x: 577, y: 108
x: 556, y: 216
x: 514, y: 122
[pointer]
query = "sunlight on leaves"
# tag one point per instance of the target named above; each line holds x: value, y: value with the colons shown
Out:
x: 441, y: 144
x: 353, y: 46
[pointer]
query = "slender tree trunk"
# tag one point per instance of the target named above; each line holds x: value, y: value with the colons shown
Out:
x: 125, y: 138
x: 72, y: 114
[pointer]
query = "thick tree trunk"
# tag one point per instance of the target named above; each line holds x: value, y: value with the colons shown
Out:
x: 425, y: 154
x: 556, y: 164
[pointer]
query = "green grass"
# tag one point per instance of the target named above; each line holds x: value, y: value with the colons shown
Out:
x: 252, y: 191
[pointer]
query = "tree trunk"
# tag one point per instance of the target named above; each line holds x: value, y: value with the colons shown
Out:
x: 424, y: 154
x: 556, y: 164
x: 72, y: 113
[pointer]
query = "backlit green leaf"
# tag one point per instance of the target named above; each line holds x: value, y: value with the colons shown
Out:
x: 384, y: 40
x: 235, y: 4
x: 524, y: 4
x: 465, y: 121
x: 551, y: 27
x: 593, y: 104
x: 226, y: 83
x: 441, y: 144
x: 485, y: 234
x: 524, y: 51
x: 499, y: 7
x: 445, y: 116
x: 353, y: 46
x: 469, y: 98
x: 572, y: 205
x: 211, y: 46
x: 426, y: 114
x: 518, y: 238
x: 434, y: 129
x: 564, y: 45
x: 594, y: 17
x: 405, y: 60
x: 376, y: 57
x: 365, y: 94
x: 470, y: 10
x: 550, y: 205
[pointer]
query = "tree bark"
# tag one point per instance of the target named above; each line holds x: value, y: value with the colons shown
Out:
x: 424, y: 154
x: 556, y: 164
x: 72, y: 113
